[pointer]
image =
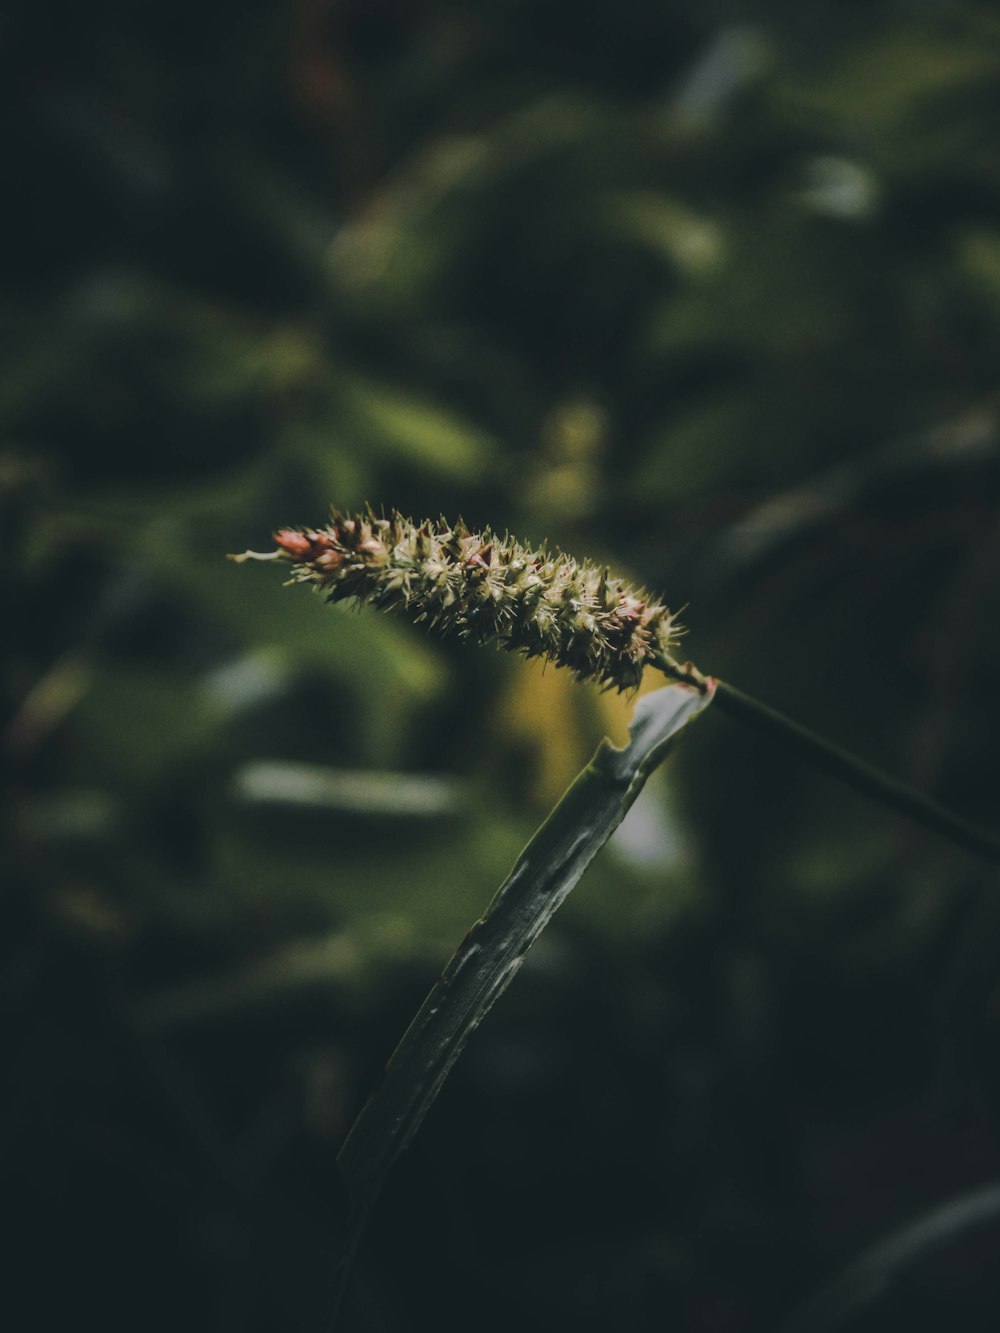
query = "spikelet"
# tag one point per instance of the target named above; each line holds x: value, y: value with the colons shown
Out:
x: 486, y: 588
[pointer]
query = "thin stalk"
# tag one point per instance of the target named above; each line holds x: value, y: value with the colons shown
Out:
x: 858, y: 774
x: 869, y: 1279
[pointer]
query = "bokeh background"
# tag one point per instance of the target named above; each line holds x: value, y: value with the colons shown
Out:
x: 710, y: 291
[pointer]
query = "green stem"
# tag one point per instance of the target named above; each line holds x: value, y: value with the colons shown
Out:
x: 849, y: 768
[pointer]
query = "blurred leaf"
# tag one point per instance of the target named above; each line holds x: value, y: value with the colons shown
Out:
x: 876, y: 85
x: 134, y: 724
x: 871, y: 1277
x: 415, y: 431
x: 693, y: 245
x: 979, y: 256
x: 406, y: 795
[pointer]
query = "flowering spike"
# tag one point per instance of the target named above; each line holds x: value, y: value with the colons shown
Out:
x: 486, y: 587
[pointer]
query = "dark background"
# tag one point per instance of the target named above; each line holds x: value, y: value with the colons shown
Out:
x: 710, y: 291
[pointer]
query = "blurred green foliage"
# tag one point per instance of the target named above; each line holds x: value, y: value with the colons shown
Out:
x: 708, y: 291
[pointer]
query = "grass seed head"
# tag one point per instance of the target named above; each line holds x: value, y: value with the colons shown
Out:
x: 485, y: 587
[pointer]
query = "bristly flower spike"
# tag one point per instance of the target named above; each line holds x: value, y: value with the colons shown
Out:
x: 484, y: 587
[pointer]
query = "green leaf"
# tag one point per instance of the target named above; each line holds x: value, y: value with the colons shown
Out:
x: 691, y: 243
x: 410, y: 428
x: 494, y: 949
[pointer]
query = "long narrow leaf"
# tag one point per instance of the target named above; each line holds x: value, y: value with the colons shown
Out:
x: 490, y: 955
x: 863, y: 1282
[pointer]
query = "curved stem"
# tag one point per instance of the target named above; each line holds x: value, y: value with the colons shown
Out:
x: 824, y: 754
x: 856, y: 772
x: 862, y: 1283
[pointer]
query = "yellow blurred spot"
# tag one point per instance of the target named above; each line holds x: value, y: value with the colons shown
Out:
x: 549, y: 725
